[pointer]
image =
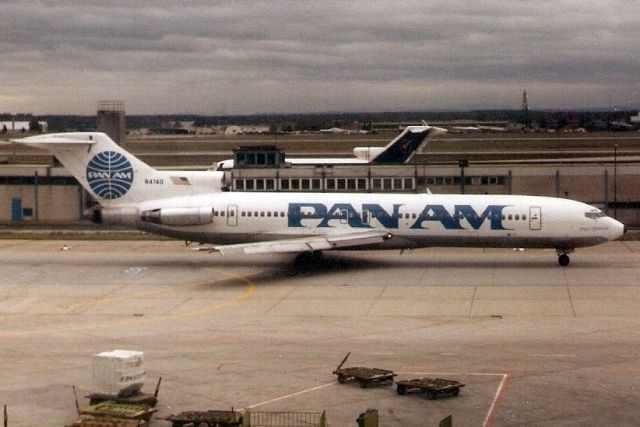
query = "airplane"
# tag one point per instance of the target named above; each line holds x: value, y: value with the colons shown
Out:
x: 400, y: 150
x: 464, y: 129
x: 191, y: 206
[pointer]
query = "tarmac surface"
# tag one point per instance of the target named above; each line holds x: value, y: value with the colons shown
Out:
x: 536, y: 344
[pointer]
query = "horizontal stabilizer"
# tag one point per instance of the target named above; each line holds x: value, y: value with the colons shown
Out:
x: 73, y: 138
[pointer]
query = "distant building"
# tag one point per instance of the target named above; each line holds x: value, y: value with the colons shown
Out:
x: 248, y: 129
x: 233, y: 130
x: 15, y: 125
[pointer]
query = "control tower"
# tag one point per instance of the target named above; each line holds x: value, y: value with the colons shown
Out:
x: 525, y: 103
x: 111, y: 120
x: 524, y: 112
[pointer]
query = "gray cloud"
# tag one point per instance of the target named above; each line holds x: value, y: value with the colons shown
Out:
x: 304, y: 56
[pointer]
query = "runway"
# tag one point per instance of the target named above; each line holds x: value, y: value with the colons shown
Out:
x: 535, y: 343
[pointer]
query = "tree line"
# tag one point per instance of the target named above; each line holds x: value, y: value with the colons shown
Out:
x: 590, y: 120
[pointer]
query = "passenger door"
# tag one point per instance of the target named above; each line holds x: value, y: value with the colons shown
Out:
x: 365, y: 217
x: 535, y: 218
x: 232, y: 215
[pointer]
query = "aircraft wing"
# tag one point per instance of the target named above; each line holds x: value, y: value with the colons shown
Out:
x: 305, y: 244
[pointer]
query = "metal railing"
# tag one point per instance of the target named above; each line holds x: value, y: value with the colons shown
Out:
x: 284, y: 419
x: 110, y: 105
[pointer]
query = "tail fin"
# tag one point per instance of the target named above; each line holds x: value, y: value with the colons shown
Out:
x: 402, y: 148
x: 110, y: 173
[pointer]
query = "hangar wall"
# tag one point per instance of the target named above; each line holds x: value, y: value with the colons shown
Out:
x: 44, y: 203
x: 39, y: 194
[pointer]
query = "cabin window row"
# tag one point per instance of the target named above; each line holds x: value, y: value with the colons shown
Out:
x: 232, y: 213
x: 343, y: 214
x: 510, y: 217
x: 262, y: 213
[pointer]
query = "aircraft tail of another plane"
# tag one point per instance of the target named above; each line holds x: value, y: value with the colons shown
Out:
x: 402, y: 148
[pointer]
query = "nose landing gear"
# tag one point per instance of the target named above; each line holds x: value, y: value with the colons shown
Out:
x: 563, y: 258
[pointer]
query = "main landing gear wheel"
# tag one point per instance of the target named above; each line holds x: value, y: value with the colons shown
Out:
x: 563, y: 259
x: 310, y: 256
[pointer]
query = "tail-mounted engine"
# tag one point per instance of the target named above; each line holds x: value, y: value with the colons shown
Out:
x: 179, y: 216
x: 123, y: 216
x: 367, y: 153
x: 165, y: 216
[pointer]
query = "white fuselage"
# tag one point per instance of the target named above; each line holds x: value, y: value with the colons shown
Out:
x: 413, y: 220
x: 192, y: 206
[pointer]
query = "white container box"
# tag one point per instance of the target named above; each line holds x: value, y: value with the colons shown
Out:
x: 118, y: 372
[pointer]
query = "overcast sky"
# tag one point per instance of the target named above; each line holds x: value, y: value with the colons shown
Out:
x: 243, y: 57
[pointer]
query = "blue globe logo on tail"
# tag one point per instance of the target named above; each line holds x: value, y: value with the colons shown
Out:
x: 109, y: 174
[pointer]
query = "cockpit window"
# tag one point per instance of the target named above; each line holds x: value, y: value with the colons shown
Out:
x: 594, y: 214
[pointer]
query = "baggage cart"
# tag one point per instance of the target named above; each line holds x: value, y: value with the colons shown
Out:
x: 137, y: 398
x: 363, y: 375
x: 119, y: 410
x: 107, y: 422
x: 209, y: 418
x: 433, y: 387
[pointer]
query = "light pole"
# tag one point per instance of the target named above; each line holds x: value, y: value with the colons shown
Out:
x: 615, y: 181
x: 463, y: 163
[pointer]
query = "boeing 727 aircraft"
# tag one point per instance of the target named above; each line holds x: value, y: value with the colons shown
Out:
x: 400, y: 150
x: 191, y: 206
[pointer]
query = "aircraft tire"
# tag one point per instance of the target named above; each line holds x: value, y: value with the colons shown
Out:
x: 309, y: 256
x: 563, y: 260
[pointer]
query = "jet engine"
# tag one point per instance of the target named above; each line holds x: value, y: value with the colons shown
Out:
x: 367, y: 153
x: 179, y: 216
x: 116, y: 216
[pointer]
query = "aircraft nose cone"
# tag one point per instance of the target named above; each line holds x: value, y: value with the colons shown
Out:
x: 617, y: 229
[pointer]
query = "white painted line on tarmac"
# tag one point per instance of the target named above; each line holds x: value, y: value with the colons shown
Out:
x: 297, y: 393
x: 489, y: 418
